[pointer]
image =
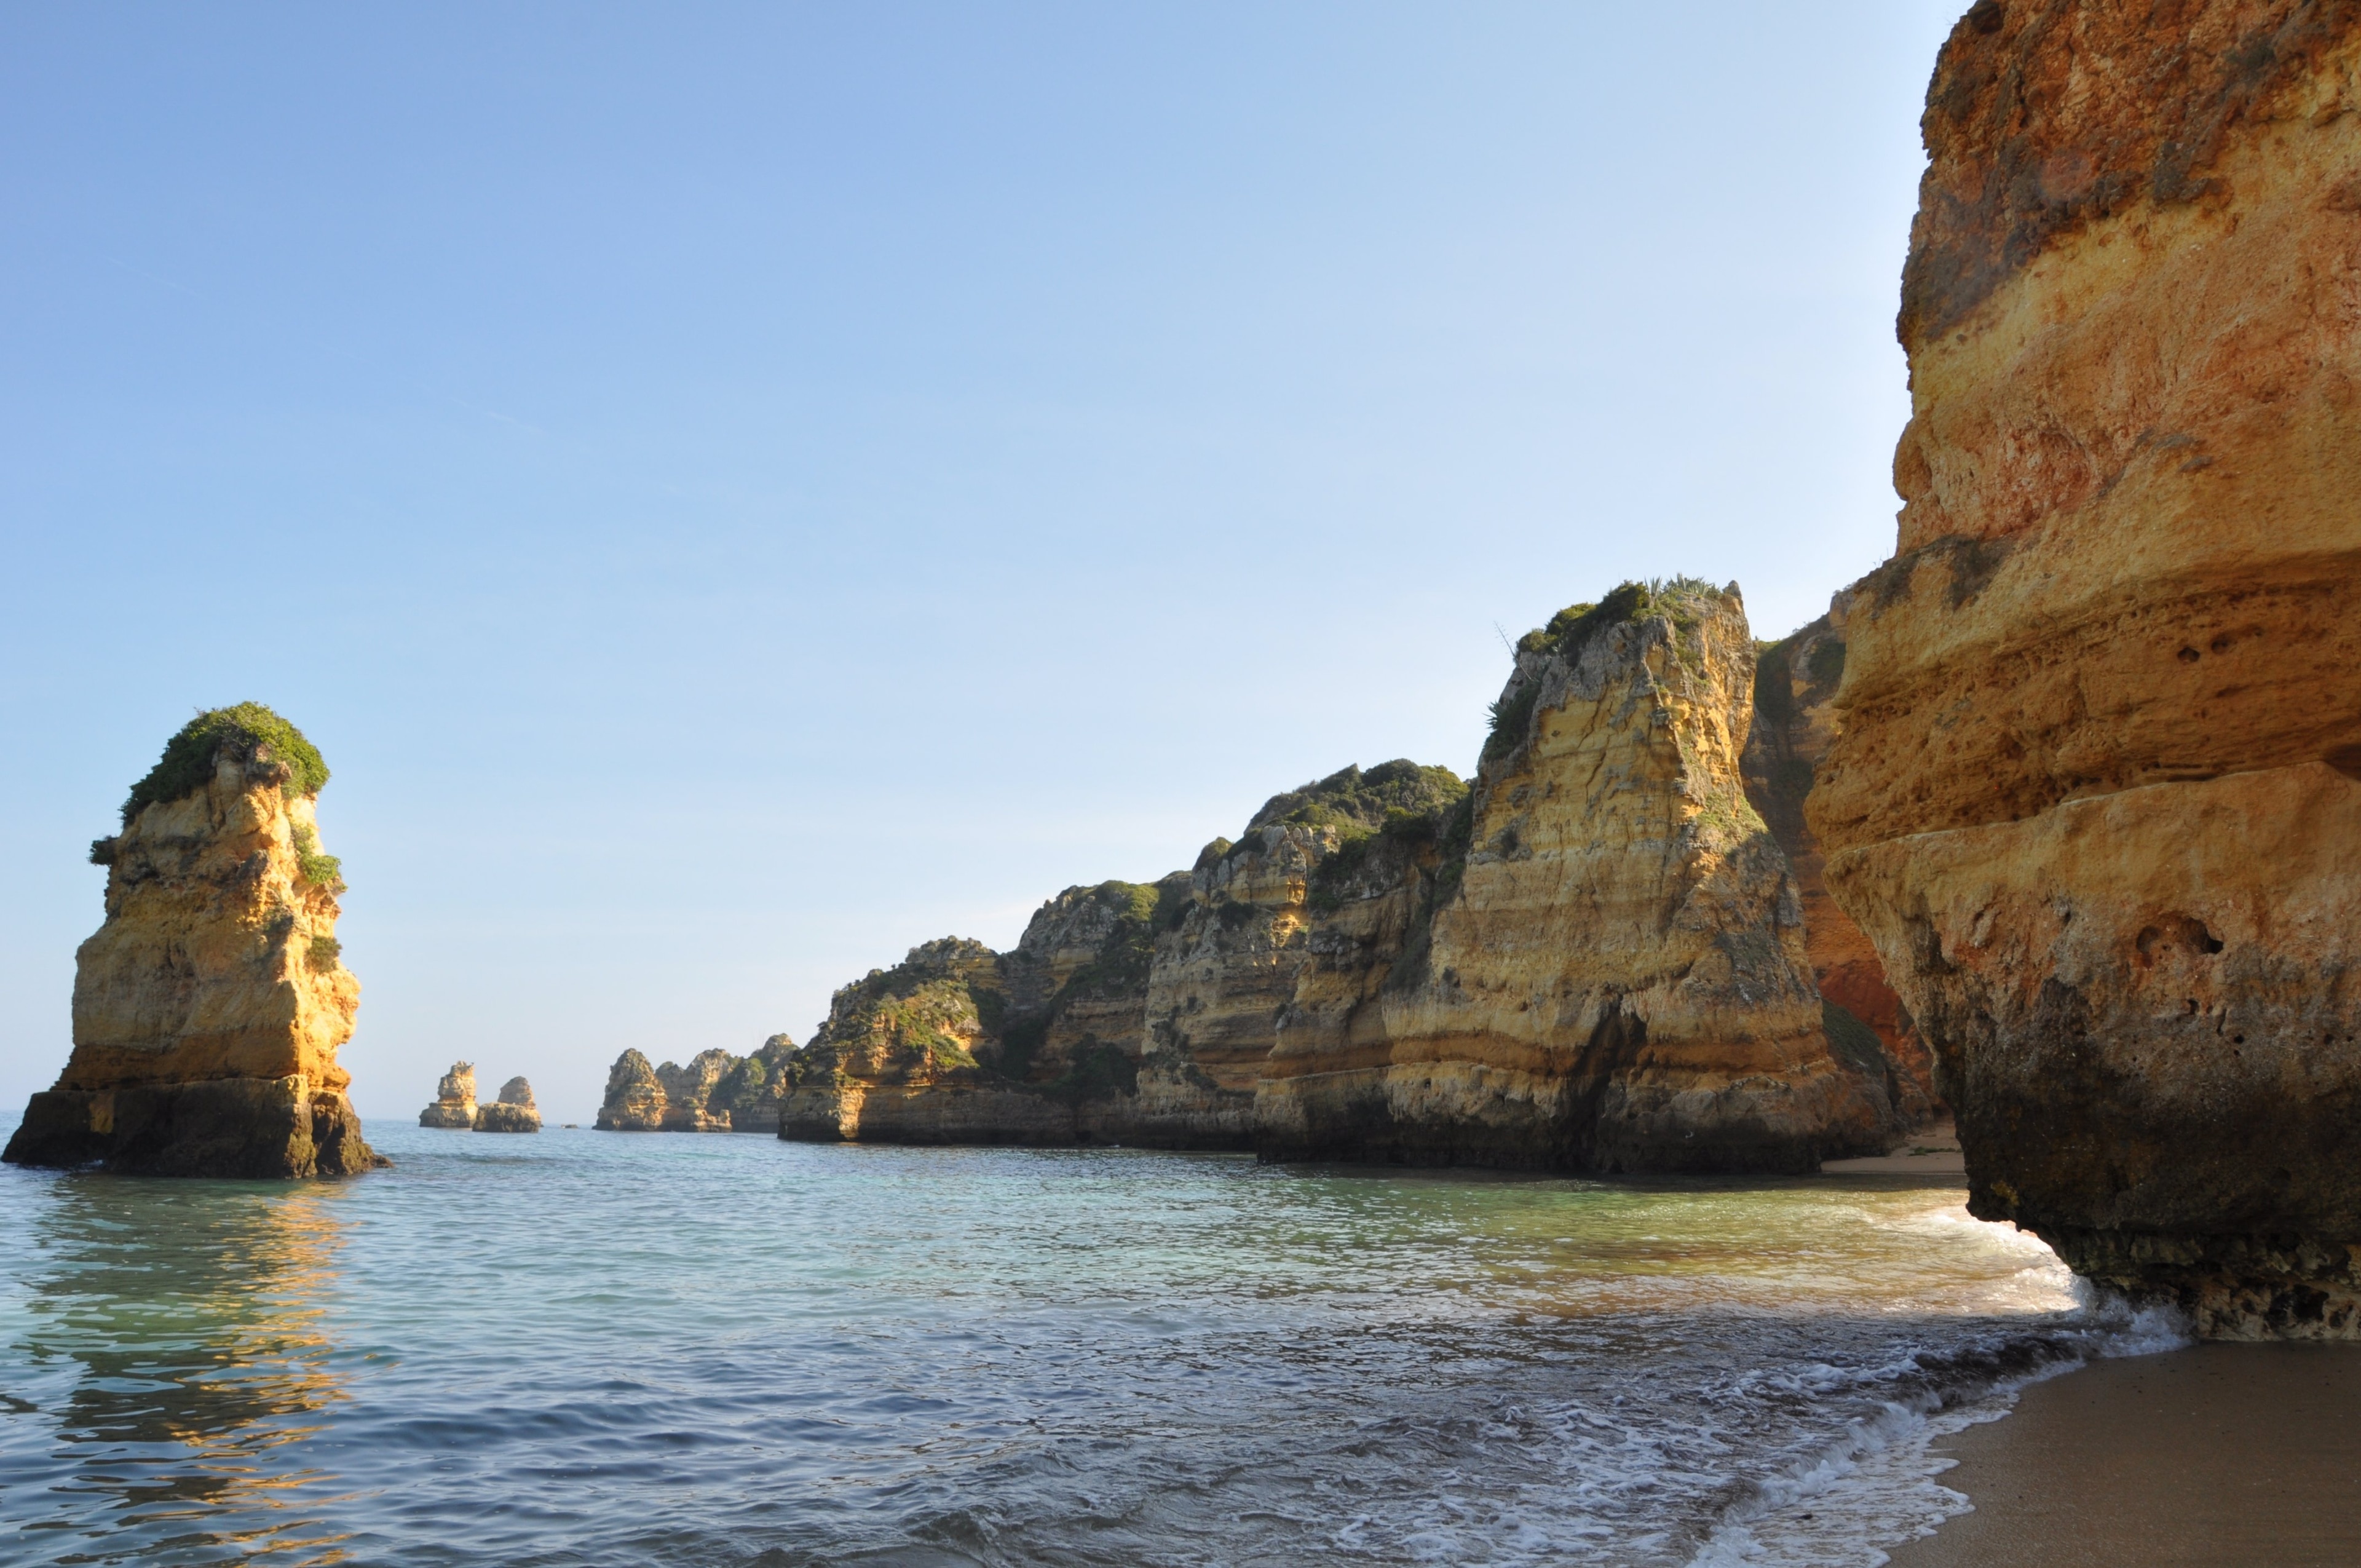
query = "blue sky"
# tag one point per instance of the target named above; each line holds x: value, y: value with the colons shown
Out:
x: 735, y: 491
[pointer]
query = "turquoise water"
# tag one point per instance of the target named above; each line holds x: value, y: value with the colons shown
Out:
x: 590, y: 1348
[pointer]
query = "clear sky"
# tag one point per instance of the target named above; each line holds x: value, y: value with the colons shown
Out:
x: 735, y: 491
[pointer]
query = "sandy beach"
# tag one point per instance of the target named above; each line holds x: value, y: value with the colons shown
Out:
x: 2220, y: 1455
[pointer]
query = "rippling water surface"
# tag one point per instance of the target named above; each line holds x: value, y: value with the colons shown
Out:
x: 592, y: 1348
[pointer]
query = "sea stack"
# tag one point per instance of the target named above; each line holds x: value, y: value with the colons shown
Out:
x: 455, y: 1100
x: 209, y: 1008
x: 513, y: 1112
x: 2097, y: 799
x: 716, y: 1092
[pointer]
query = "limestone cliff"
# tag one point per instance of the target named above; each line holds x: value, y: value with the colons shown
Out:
x: 513, y: 1112
x: 1596, y: 960
x: 455, y: 1100
x: 1601, y: 962
x: 634, y: 1101
x: 2095, y: 800
x: 716, y: 1092
x: 1796, y: 721
x: 1127, y: 1013
x: 896, y: 1060
x: 1262, y: 915
x: 209, y: 1006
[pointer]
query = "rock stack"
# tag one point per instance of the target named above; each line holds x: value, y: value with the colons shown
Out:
x: 716, y: 1092
x: 209, y: 1006
x: 455, y: 1100
x: 513, y: 1112
x: 2097, y: 799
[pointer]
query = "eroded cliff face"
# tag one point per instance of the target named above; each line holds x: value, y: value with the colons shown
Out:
x: 1602, y: 967
x: 1261, y: 923
x: 209, y: 1008
x: 1796, y: 722
x: 716, y: 1092
x: 896, y: 1061
x: 513, y: 1112
x: 2095, y: 797
x: 1127, y: 1013
x: 455, y: 1100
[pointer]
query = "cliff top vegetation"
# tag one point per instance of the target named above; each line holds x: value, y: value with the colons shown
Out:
x: 247, y: 730
x: 1572, y: 629
x: 1353, y: 800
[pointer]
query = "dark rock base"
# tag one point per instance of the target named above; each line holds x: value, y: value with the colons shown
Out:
x: 2232, y: 1287
x: 222, y: 1127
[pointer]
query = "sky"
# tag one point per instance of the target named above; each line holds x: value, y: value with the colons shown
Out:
x: 735, y: 491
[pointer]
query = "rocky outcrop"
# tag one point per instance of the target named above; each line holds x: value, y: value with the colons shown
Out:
x: 1127, y: 1013
x: 1596, y: 960
x: 513, y: 1112
x: 1601, y: 963
x: 748, y: 1093
x: 455, y: 1100
x: 209, y: 1006
x: 2098, y: 794
x: 1263, y: 919
x: 1796, y: 721
x: 716, y: 1092
x: 896, y: 1060
x: 688, y: 1094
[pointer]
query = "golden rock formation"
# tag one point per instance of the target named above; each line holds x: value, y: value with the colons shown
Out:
x: 209, y: 1006
x: 716, y: 1092
x: 2095, y: 797
x: 513, y: 1112
x: 1596, y: 962
x: 1612, y: 974
x: 455, y: 1100
x: 895, y: 1060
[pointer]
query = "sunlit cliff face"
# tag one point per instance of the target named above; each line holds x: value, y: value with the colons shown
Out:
x: 2095, y: 799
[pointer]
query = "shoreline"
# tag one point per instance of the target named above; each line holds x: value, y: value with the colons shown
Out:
x: 2213, y: 1455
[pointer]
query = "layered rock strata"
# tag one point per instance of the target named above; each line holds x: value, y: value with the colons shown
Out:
x: 513, y: 1112
x: 1596, y: 960
x: 1127, y: 1013
x: 2097, y: 799
x: 455, y: 1100
x: 209, y: 1006
x: 716, y: 1092
x: 1603, y: 966
x: 1796, y: 721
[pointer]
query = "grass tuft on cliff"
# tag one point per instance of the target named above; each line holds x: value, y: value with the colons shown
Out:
x: 247, y: 730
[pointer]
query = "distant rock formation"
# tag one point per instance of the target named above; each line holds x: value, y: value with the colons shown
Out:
x: 635, y: 1097
x: 513, y: 1112
x: 688, y: 1094
x: 2097, y: 799
x: 1597, y: 960
x: 455, y: 1100
x: 716, y: 1092
x: 208, y: 1008
x: 895, y: 1060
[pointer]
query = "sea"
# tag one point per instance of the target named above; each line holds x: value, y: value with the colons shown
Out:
x: 589, y: 1348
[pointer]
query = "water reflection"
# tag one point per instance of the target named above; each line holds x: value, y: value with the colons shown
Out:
x: 172, y: 1337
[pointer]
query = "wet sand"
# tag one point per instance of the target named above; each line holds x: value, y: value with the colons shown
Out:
x: 2225, y: 1455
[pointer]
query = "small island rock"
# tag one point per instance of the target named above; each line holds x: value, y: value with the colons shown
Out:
x: 513, y: 1112
x: 455, y: 1100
